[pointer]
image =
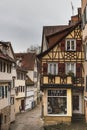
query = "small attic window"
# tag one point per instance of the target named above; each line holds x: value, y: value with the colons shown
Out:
x: 70, y: 45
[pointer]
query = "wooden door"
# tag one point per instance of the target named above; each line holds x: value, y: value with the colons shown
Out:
x: 22, y: 104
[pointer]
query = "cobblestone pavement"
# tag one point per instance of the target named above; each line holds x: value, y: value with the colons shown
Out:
x: 73, y: 126
x: 29, y: 120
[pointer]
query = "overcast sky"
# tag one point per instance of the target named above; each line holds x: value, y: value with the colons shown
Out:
x: 22, y: 21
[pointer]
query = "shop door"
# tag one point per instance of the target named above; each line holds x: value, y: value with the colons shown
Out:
x: 77, y: 104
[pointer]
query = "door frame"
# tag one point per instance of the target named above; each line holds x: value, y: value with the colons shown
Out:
x: 80, y: 103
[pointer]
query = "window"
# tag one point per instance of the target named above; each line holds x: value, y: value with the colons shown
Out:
x: 52, y: 68
x: 0, y: 66
x: 8, y: 68
x: 18, y: 75
x: 57, y: 102
x: 71, y: 67
x: 0, y: 91
x: 12, y: 100
x: 6, y: 91
x: 3, y: 91
x: 70, y: 44
x: 23, y: 88
x: 13, y: 81
x: 4, y: 67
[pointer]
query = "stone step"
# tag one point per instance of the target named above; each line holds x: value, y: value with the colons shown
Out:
x: 78, y: 118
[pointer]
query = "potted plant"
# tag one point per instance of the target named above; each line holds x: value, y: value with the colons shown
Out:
x: 70, y: 73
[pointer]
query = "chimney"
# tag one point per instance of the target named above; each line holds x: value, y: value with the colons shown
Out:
x: 75, y: 18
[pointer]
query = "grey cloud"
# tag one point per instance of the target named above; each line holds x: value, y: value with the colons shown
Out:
x: 21, y: 21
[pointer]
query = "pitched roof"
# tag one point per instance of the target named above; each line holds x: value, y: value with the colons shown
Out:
x: 29, y: 82
x: 52, y: 30
x: 27, y: 60
x: 6, y: 57
x: 61, y: 35
x: 49, y: 30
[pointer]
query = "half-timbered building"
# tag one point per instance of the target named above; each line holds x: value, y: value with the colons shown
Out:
x: 62, y: 81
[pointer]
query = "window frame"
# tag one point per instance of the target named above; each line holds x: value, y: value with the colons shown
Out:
x: 51, y: 69
x: 57, y: 96
x: 70, y: 65
x: 70, y: 46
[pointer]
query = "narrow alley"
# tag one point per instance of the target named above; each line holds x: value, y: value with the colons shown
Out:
x: 30, y: 120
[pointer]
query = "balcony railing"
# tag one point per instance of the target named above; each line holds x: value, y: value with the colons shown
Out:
x: 61, y: 79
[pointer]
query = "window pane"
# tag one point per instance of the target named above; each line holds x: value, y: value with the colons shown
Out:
x: 6, y: 91
x: 72, y: 68
x: 57, y: 105
x: 0, y: 91
x: 72, y: 45
x: 68, y: 45
x: 67, y: 68
x: 54, y: 69
x: 50, y: 68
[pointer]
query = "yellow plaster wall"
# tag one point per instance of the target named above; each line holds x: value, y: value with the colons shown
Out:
x: 69, y: 102
x: 45, y: 80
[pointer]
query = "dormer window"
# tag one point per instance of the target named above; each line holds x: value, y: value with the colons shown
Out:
x: 70, y: 45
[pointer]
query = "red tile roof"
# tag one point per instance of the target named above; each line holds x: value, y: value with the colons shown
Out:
x: 49, y: 30
x: 27, y: 60
x: 60, y: 36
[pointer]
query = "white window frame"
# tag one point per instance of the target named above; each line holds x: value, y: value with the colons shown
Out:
x: 51, y: 68
x: 70, y: 40
x: 57, y: 96
x: 70, y: 65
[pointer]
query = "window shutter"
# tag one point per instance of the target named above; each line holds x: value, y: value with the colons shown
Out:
x: 45, y: 68
x: 78, y: 70
x: 63, y: 45
x: 61, y: 68
x: 78, y: 45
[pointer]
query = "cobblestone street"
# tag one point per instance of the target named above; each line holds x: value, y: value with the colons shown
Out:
x: 29, y: 120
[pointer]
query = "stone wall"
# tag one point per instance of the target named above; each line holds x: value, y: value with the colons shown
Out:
x: 5, y: 118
